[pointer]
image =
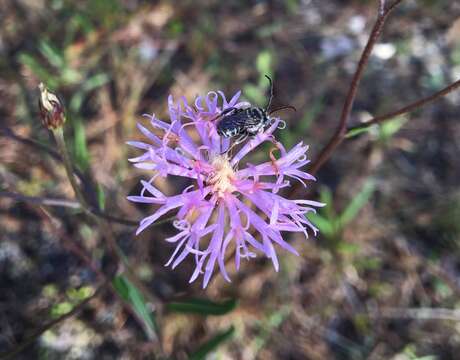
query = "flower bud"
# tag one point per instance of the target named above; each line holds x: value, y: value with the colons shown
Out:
x: 51, y: 109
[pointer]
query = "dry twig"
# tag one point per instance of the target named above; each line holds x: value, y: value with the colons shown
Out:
x: 408, y: 108
x: 341, y: 131
x: 40, y: 200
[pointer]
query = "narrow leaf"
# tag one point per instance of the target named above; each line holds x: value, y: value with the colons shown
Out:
x: 391, y: 127
x: 264, y: 64
x: 325, y: 197
x: 355, y: 132
x: 347, y: 248
x: 52, y: 54
x: 89, y: 85
x: 129, y: 292
x: 212, y: 344
x: 38, y: 70
x: 203, y: 307
x: 357, y: 203
x: 81, y: 150
x: 325, y: 226
x: 95, y: 81
x: 100, y: 197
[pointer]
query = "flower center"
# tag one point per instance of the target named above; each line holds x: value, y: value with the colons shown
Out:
x: 223, y: 175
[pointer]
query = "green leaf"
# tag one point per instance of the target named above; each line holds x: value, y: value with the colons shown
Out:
x: 264, y: 63
x: 38, y: 70
x: 292, y: 6
x: 175, y: 27
x: 325, y: 197
x: 270, y: 29
x: 50, y: 291
x: 100, y: 197
x: 106, y: 12
x: 76, y: 101
x: 70, y: 76
x: 287, y: 138
x: 267, y: 327
x: 52, y: 54
x: 391, y: 127
x: 90, y: 84
x: 254, y: 93
x: 385, y: 130
x: 368, y: 263
x: 95, y: 81
x: 356, y: 204
x: 61, y: 309
x: 80, y: 148
x: 442, y: 289
x: 76, y: 295
x: 78, y: 25
x: 203, y: 306
x: 310, y: 115
x: 355, y: 132
x: 347, y: 248
x: 129, y: 293
x: 325, y: 226
x: 212, y: 344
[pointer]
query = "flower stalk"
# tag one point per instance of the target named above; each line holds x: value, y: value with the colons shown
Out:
x: 58, y: 134
x: 53, y: 117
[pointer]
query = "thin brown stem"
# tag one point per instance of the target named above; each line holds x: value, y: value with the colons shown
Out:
x: 40, y: 200
x: 37, y: 333
x: 341, y: 131
x: 408, y: 108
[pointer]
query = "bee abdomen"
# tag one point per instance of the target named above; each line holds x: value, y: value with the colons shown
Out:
x: 242, y: 121
x: 228, y: 128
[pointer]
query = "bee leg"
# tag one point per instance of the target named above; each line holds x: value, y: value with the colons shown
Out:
x: 227, y: 110
x: 228, y: 151
x: 236, y: 142
x: 241, y: 139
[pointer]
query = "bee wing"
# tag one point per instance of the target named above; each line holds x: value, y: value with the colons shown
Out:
x: 240, y: 118
x: 237, y: 120
x: 251, y: 121
x: 226, y: 112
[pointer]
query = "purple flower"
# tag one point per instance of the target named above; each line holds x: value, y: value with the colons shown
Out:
x: 230, y: 207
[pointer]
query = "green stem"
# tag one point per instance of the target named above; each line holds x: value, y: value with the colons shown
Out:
x: 59, y: 136
x: 103, y: 225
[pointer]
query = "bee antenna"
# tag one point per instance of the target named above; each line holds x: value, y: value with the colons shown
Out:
x: 271, y: 92
x: 282, y: 108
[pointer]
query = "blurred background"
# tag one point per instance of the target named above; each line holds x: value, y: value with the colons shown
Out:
x: 382, y: 279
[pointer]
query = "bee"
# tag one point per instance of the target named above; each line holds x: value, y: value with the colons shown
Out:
x: 247, y: 121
